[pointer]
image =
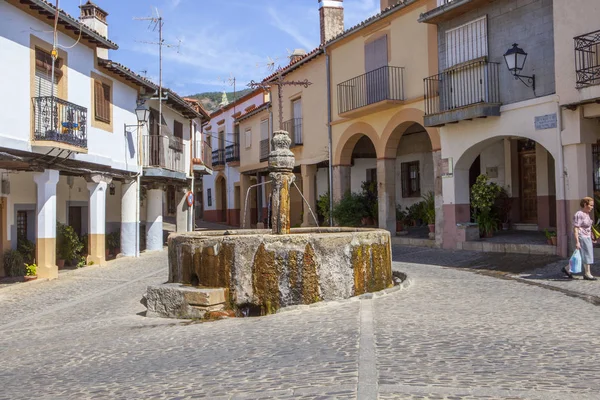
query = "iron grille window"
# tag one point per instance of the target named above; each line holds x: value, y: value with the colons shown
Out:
x: 178, y: 129
x: 587, y: 59
x: 209, y: 197
x: 411, y: 186
x: 21, y: 225
x: 596, y: 161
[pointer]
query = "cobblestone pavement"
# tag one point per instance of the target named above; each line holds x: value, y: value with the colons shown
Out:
x: 453, y: 334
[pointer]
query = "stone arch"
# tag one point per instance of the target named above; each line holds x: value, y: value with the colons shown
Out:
x: 397, y: 125
x: 346, y: 143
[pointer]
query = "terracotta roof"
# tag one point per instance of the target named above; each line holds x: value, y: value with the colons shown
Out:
x: 173, y: 99
x: 253, y: 111
x: 296, y: 63
x: 44, y: 8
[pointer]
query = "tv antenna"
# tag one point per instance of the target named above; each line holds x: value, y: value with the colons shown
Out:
x: 156, y: 23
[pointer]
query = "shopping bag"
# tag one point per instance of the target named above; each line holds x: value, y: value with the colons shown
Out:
x: 575, y: 262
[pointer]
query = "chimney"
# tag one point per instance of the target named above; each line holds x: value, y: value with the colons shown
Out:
x: 297, y: 55
x: 94, y: 18
x: 331, y: 14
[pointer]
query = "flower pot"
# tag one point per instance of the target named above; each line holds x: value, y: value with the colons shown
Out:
x: 60, y: 263
x: 107, y: 253
x: 399, y: 226
x: 553, y: 240
x: 28, y: 278
x: 431, y: 227
x: 489, y: 234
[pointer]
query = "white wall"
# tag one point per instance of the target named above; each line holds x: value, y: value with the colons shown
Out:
x: 106, y: 148
x: 322, y: 181
x: 358, y: 172
x: 493, y: 157
x: 415, y: 147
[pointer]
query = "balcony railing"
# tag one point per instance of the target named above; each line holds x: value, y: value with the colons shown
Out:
x: 58, y: 120
x: 218, y: 157
x: 264, y: 150
x: 385, y: 83
x: 232, y: 153
x: 471, y: 84
x: 164, y: 152
x: 202, y: 153
x: 587, y: 59
x: 294, y: 128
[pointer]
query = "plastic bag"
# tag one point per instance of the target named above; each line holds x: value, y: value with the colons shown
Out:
x: 575, y: 262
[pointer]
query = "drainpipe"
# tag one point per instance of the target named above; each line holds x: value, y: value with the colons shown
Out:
x: 563, y: 251
x: 191, y: 218
x: 329, y: 136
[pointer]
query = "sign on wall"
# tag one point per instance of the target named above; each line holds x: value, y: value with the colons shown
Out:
x: 548, y: 121
x: 446, y: 167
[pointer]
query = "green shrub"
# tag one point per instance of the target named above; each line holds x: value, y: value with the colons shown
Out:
x: 113, y: 242
x: 428, y: 208
x: 369, y: 195
x: 323, y: 209
x: 68, y: 245
x: 13, y: 263
x: 401, y: 215
x: 30, y: 269
x: 350, y: 210
x: 27, y: 249
x: 483, y: 199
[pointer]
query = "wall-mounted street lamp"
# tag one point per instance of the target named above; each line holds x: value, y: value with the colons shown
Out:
x: 111, y: 189
x: 515, y: 60
x: 142, y: 113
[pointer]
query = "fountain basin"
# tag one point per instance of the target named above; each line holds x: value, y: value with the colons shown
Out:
x: 274, y: 271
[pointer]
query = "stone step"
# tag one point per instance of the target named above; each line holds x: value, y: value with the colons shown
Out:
x: 174, y: 300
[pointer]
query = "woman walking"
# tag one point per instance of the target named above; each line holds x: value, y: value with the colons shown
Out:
x: 582, y: 230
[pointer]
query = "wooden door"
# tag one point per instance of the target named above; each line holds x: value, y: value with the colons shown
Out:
x: 75, y: 219
x: 528, y: 184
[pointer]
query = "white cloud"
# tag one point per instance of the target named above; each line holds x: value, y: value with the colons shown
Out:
x: 288, y: 27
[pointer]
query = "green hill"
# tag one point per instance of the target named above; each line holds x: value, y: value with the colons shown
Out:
x: 211, y: 100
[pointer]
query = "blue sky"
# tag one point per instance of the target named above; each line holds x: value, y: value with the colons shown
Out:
x: 219, y: 38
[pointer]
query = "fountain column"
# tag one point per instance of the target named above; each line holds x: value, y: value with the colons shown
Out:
x: 281, y: 165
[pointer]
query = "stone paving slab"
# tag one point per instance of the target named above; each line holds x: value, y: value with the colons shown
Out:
x: 458, y: 332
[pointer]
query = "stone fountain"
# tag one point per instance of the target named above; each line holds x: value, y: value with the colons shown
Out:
x: 215, y: 270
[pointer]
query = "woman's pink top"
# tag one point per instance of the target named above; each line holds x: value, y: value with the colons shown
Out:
x: 583, y: 221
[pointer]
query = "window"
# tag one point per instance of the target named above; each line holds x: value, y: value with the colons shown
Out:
x: 248, y: 137
x: 264, y: 129
x: 236, y: 134
x: 102, y: 98
x: 596, y: 163
x: 178, y: 129
x: 43, y: 74
x: 21, y: 225
x: 467, y: 42
x: 411, y: 186
x: 371, y: 174
x: 209, y: 197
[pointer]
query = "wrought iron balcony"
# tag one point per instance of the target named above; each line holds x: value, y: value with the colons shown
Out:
x: 58, y: 120
x: 218, y: 157
x: 202, y: 154
x: 294, y: 128
x: 449, y: 9
x: 264, y: 150
x: 232, y: 153
x: 383, y: 84
x: 469, y: 91
x: 165, y: 152
x: 587, y: 59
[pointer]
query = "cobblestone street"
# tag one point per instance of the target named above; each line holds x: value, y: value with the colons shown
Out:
x: 453, y: 333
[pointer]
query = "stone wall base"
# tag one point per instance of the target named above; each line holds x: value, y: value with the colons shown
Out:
x: 173, y: 300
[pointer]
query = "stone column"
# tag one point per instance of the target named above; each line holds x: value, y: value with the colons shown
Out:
x: 129, y: 219
x: 97, y: 218
x: 386, y: 193
x: 341, y: 181
x: 182, y: 210
x: 154, y: 218
x: 281, y: 165
x: 309, y: 176
x: 46, y: 223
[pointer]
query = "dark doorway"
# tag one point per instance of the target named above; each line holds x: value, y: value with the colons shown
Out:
x: 75, y: 219
x: 474, y: 172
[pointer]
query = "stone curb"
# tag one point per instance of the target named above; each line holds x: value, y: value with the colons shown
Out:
x: 405, y: 284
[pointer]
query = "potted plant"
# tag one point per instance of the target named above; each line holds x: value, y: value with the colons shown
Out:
x: 550, y: 237
x: 113, y: 243
x: 369, y: 196
x: 13, y: 263
x: 349, y: 211
x: 400, y: 218
x: 68, y: 245
x: 428, y: 210
x: 503, y: 205
x: 30, y: 272
x: 483, y: 198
